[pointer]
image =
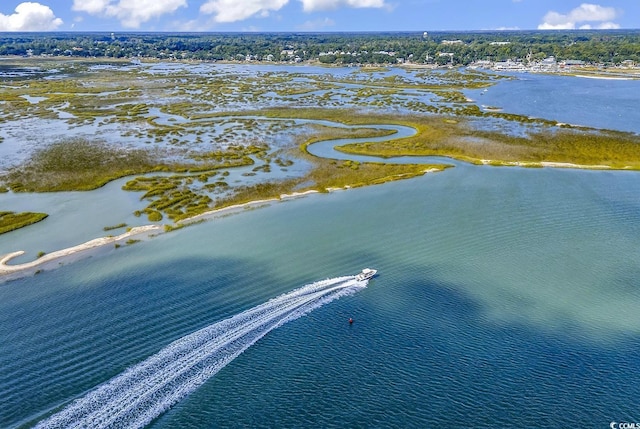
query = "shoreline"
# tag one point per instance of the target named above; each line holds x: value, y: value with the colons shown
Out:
x: 549, y: 164
x: 11, y: 272
x: 211, y: 213
x: 6, y: 269
x: 604, y: 77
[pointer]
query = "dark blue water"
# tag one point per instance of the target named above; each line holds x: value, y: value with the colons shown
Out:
x: 505, y: 297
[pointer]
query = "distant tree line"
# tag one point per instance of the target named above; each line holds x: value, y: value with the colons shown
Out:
x: 599, y: 47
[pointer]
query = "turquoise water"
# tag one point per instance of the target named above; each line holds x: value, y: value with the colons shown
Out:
x: 506, y: 297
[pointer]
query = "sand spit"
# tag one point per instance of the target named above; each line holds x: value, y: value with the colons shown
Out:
x: 47, y: 261
x: 605, y: 77
x: 59, y: 255
x: 544, y: 164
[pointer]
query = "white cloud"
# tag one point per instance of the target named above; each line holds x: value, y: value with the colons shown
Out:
x: 608, y: 26
x: 584, y: 13
x: 30, y: 16
x: 131, y: 13
x: 316, y: 25
x: 601, y: 26
x: 238, y: 10
x: 592, y: 12
x: 314, y: 5
x: 92, y: 7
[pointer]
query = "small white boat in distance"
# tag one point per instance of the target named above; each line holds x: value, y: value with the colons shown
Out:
x: 366, y: 274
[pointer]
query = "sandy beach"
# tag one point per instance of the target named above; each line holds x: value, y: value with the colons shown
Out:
x: 59, y: 255
x: 215, y: 212
x: 605, y: 77
x: 546, y: 164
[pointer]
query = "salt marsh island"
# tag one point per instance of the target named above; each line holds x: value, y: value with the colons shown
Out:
x: 188, y: 139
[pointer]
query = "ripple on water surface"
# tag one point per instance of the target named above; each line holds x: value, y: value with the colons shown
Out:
x: 505, y: 297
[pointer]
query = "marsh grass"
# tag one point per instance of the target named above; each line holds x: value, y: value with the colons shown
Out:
x: 10, y: 221
x: 170, y: 196
x: 454, y: 137
x: 112, y: 227
x: 232, y: 156
x: 594, y: 147
x: 126, y: 97
x: 77, y: 165
x: 328, y: 174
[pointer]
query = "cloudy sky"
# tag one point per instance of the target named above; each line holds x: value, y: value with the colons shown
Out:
x: 315, y: 15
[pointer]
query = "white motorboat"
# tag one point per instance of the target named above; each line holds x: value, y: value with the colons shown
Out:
x: 366, y: 274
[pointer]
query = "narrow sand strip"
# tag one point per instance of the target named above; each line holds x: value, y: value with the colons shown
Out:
x: 215, y: 212
x: 602, y: 77
x: 548, y: 164
x: 8, y: 269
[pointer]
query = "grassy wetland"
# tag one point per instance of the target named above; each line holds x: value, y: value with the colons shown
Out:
x: 10, y: 221
x: 193, y: 137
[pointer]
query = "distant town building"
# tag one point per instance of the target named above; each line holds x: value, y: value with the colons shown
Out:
x: 549, y: 61
x: 509, y: 66
x: 452, y: 42
x: 481, y: 64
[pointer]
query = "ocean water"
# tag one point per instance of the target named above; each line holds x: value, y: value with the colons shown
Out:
x: 506, y: 297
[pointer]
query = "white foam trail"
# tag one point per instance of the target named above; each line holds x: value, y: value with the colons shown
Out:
x: 143, y: 392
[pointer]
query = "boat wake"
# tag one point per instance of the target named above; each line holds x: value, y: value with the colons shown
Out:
x: 146, y: 390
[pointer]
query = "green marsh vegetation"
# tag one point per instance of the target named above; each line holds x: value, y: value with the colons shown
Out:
x: 180, y: 197
x: 10, y: 221
x: 221, y: 120
x: 454, y: 136
x: 333, y: 174
x: 327, y: 174
x: 112, y: 227
x: 84, y: 98
x: 172, y: 196
x: 77, y: 165
x: 372, y: 69
x: 456, y: 139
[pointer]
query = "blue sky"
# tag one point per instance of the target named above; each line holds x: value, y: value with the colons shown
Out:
x: 315, y: 15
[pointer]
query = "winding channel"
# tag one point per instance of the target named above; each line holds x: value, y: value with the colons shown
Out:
x: 321, y: 149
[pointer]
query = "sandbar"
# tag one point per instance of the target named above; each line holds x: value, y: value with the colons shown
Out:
x: 6, y: 269
x: 19, y: 270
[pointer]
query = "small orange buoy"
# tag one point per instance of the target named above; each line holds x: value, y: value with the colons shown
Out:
x: 350, y: 320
